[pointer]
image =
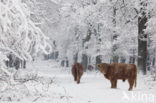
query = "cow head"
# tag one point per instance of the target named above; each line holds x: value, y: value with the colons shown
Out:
x: 103, y: 67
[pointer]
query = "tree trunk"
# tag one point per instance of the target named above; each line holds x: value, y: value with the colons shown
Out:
x: 24, y: 64
x: 115, y: 57
x: 142, y: 40
x: 98, y: 60
x: 153, y: 61
x: 84, y: 61
x: 131, y: 59
x: 122, y: 60
x: 75, y: 57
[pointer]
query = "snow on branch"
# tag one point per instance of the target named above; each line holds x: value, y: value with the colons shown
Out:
x: 18, y: 32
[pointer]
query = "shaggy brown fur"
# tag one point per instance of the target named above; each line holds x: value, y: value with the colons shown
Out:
x: 116, y: 71
x: 77, y: 71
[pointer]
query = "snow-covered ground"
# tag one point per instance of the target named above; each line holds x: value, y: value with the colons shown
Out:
x: 94, y: 88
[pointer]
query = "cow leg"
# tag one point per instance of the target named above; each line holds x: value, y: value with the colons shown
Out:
x: 115, y: 84
x: 111, y: 83
x: 131, y: 83
x: 75, y: 77
x: 78, y: 76
x: 78, y: 79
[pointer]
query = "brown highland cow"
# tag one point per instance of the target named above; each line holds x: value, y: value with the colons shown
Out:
x: 77, y: 71
x: 116, y: 71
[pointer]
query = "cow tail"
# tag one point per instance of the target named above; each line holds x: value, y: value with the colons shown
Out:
x: 135, y: 76
x: 135, y: 81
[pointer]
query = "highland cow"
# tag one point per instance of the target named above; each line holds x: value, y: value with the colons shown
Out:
x: 77, y: 72
x: 116, y: 71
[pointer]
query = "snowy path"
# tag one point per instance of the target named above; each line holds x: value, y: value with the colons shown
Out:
x: 94, y: 88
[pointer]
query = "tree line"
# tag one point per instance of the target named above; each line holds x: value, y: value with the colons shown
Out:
x: 96, y: 31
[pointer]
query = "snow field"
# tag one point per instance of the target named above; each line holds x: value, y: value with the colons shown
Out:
x: 94, y: 88
x: 56, y: 85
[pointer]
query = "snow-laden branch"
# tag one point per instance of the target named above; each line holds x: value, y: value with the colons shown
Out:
x: 19, y: 34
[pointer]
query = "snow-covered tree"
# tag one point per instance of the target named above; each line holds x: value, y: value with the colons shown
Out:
x: 87, y: 27
x: 19, y: 34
